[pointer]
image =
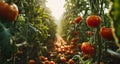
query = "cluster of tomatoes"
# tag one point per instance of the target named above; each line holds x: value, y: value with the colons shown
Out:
x: 8, y: 12
x: 62, y: 52
x: 94, y: 21
x: 67, y: 49
x: 61, y: 58
x: 43, y: 59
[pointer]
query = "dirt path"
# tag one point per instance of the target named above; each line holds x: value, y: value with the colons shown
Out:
x: 59, y: 40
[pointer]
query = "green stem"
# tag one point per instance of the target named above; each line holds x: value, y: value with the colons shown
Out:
x: 98, y: 41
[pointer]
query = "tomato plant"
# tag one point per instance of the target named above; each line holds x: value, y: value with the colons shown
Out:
x: 87, y: 48
x: 8, y: 11
x: 93, y: 21
x: 106, y: 33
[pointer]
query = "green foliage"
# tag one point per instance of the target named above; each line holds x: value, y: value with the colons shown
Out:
x: 32, y: 30
x: 6, y: 48
x: 84, y: 8
x: 114, y: 15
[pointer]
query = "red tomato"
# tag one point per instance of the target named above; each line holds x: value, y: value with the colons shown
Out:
x: 51, y: 62
x: 63, y: 59
x: 93, y: 21
x: 71, y: 61
x: 106, y: 33
x: 78, y: 19
x: 87, y: 48
x: 31, y: 61
x: 8, y: 11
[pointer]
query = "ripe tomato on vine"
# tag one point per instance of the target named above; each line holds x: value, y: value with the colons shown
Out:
x: 93, y: 21
x: 106, y: 33
x: 87, y: 48
x: 8, y: 11
x: 78, y: 19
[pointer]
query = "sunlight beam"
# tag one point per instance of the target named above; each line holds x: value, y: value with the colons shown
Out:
x: 57, y: 7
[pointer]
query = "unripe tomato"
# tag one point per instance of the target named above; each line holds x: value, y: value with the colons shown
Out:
x: 106, y: 33
x: 78, y: 19
x: 71, y: 61
x: 93, y: 21
x: 31, y: 61
x: 51, y: 62
x: 8, y: 11
x: 87, y: 48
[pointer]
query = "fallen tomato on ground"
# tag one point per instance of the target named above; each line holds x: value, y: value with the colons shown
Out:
x: 63, y: 59
x: 71, y: 61
x: 31, y: 61
x: 51, y: 62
